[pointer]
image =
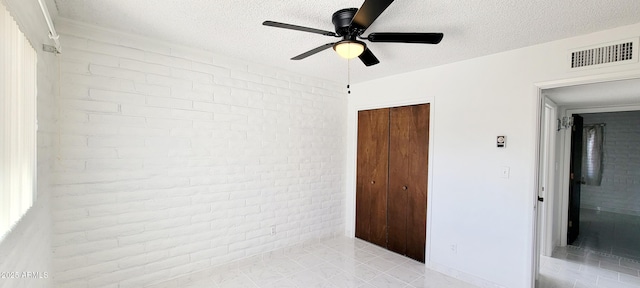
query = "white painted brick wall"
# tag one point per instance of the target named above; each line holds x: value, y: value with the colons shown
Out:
x: 27, y: 248
x: 620, y: 189
x: 174, y: 160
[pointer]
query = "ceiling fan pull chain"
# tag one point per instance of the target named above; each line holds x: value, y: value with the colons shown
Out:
x: 348, y: 76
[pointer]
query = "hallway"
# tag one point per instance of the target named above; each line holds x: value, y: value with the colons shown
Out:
x: 606, y: 254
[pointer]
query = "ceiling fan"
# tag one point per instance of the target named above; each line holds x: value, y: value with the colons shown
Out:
x: 350, y: 24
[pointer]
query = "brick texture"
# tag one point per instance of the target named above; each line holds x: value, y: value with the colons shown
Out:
x: 620, y: 188
x: 173, y: 160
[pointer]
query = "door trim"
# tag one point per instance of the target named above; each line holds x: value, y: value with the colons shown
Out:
x: 550, y: 179
x: 351, y: 166
x: 539, y: 87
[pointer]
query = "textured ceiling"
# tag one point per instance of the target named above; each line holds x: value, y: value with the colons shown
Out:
x: 472, y: 28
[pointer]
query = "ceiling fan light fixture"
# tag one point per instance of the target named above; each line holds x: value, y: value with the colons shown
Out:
x: 349, y: 49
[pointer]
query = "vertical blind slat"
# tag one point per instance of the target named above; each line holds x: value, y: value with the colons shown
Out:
x: 17, y: 122
x: 4, y: 220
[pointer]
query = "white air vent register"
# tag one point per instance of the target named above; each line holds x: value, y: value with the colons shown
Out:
x: 609, y: 54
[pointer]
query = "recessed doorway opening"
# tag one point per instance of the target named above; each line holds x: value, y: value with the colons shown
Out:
x: 587, y: 231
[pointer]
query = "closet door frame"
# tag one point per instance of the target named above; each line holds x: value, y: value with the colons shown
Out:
x: 352, y: 163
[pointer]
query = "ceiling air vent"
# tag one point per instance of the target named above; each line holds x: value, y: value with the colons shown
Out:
x: 619, y: 52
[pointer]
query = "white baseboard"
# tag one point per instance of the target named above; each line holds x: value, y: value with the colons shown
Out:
x: 471, y: 279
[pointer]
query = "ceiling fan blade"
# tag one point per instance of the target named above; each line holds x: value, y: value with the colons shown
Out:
x: 368, y: 58
x: 369, y: 12
x: 298, y: 28
x: 313, y: 51
x: 424, y: 38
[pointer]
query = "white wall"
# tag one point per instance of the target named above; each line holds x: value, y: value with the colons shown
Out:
x: 489, y: 218
x: 173, y: 160
x: 27, y: 248
x: 619, y: 191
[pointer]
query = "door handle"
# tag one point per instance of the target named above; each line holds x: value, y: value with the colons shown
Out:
x: 540, y: 199
x: 405, y: 187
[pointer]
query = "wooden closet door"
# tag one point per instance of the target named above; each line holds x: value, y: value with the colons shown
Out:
x: 372, y: 173
x: 407, y: 195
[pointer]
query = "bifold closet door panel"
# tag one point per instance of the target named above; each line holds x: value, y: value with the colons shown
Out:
x: 407, y: 194
x: 372, y: 175
x: 398, y: 200
x: 418, y: 173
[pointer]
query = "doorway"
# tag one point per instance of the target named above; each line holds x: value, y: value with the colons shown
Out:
x: 609, y: 204
x: 562, y: 265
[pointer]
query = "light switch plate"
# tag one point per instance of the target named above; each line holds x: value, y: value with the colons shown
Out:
x: 504, y: 172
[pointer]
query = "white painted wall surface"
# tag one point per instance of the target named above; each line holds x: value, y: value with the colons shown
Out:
x: 174, y: 160
x: 489, y: 218
x: 27, y: 248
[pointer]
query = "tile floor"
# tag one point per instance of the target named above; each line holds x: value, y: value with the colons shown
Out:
x: 572, y: 267
x: 609, y: 233
x: 345, y: 262
x: 606, y: 254
x: 338, y: 262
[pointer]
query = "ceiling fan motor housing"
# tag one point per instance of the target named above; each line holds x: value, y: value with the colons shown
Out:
x: 342, y: 21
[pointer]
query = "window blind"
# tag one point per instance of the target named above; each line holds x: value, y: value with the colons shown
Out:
x: 17, y: 122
